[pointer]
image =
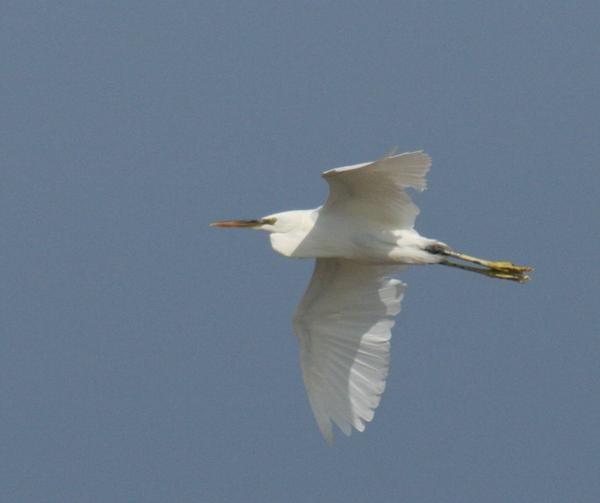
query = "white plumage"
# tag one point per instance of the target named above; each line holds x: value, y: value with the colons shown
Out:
x: 361, y: 236
x: 344, y: 324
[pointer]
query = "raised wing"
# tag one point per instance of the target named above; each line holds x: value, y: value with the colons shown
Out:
x: 344, y: 324
x: 375, y: 190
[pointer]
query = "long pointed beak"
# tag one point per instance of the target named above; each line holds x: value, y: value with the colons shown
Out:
x: 237, y: 223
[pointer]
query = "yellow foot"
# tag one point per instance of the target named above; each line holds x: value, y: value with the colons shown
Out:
x: 519, y: 277
x: 508, y: 267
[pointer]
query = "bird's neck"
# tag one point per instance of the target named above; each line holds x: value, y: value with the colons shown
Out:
x: 291, y: 240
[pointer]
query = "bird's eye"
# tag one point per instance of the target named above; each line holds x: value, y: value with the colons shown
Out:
x: 268, y: 221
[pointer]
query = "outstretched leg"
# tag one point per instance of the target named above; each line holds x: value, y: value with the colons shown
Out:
x: 494, y: 269
x: 499, y: 265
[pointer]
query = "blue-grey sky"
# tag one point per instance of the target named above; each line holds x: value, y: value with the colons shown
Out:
x: 149, y: 358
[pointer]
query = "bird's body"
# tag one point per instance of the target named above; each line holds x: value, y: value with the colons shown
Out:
x: 355, y: 240
x: 362, y: 235
x: 368, y: 216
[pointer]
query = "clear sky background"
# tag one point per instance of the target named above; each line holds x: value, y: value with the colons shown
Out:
x: 147, y: 357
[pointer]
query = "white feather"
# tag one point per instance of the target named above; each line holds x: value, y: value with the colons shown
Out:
x: 344, y: 327
x: 361, y: 235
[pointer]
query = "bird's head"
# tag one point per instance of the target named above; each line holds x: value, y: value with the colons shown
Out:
x: 287, y: 230
x: 284, y: 222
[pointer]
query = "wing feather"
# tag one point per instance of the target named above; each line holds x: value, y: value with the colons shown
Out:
x: 377, y: 189
x: 343, y: 324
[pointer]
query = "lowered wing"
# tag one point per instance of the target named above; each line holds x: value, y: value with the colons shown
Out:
x: 343, y: 324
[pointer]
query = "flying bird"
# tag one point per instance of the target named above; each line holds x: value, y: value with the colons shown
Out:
x: 361, y: 236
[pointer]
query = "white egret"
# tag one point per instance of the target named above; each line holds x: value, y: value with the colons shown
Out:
x: 363, y: 234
